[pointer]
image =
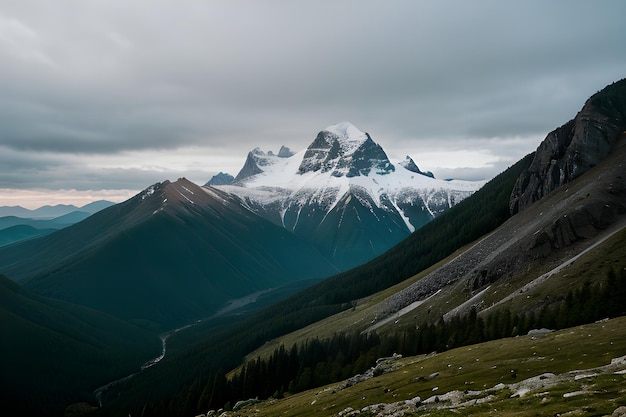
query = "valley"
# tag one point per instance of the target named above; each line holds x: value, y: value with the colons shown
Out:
x: 232, y: 306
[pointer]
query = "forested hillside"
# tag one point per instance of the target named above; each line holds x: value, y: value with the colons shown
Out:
x: 65, y: 351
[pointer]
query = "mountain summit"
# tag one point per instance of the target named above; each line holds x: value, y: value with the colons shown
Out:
x: 344, y: 195
x: 342, y: 149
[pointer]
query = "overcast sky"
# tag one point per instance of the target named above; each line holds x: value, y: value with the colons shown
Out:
x: 104, y: 98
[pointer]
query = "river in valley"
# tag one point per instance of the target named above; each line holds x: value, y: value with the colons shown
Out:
x: 229, y: 307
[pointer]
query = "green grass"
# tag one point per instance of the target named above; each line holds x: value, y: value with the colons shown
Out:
x: 481, y: 367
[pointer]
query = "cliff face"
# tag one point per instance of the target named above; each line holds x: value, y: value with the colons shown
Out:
x: 575, y: 147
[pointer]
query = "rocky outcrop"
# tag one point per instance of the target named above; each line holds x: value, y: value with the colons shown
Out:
x: 410, y: 165
x: 383, y: 366
x: 574, y: 148
x: 344, y: 150
x: 251, y: 166
x: 285, y: 152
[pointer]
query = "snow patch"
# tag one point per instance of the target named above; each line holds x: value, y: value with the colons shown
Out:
x: 149, y: 191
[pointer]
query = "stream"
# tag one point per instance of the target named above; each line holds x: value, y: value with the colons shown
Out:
x: 230, y: 306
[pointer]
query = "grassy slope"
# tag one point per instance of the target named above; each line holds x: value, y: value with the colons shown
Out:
x: 481, y: 367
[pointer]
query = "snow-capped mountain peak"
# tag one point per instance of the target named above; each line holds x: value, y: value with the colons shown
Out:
x: 343, y: 150
x: 348, y: 136
x: 344, y: 185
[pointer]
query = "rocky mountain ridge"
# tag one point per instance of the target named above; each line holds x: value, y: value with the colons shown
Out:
x: 589, y: 206
x: 572, y: 149
x: 344, y: 194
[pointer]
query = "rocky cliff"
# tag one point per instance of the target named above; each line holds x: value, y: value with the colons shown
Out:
x: 574, y: 148
x: 344, y: 150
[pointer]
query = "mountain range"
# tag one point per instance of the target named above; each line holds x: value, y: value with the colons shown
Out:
x: 178, y: 252
x: 343, y: 194
x: 18, y: 223
x: 540, y: 245
x: 484, y: 269
x: 50, y: 212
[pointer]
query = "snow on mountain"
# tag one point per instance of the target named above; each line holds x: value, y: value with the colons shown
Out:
x: 344, y: 178
x: 283, y: 180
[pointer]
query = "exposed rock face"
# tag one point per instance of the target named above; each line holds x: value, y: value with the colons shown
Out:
x: 410, y: 165
x: 344, y: 150
x: 575, y: 147
x: 250, y: 167
x: 285, y: 152
x: 220, y: 179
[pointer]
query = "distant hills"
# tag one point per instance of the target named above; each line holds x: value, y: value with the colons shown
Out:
x: 18, y: 223
x: 50, y: 212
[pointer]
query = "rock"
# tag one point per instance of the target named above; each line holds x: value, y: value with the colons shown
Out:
x: 539, y: 332
x: 585, y: 221
x: 574, y: 148
x: 285, y: 152
x: 383, y: 366
x: 344, y: 150
x: 410, y: 165
x: 251, y: 166
x: 243, y: 403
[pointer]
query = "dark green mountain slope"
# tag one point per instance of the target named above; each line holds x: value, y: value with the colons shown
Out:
x: 20, y: 232
x: 173, y: 253
x: 15, y: 229
x: 53, y: 353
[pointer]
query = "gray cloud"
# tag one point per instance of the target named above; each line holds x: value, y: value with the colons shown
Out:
x: 110, y: 77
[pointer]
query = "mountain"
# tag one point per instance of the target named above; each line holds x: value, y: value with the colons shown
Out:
x: 49, y: 212
x: 54, y: 353
x: 475, y: 273
x: 220, y: 179
x: 14, y: 229
x: 18, y: 223
x: 343, y: 194
x: 96, y: 206
x: 409, y: 165
x: 20, y: 232
x: 173, y: 253
x: 54, y: 223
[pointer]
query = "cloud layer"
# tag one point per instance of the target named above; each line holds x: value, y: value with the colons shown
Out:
x: 117, y: 95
